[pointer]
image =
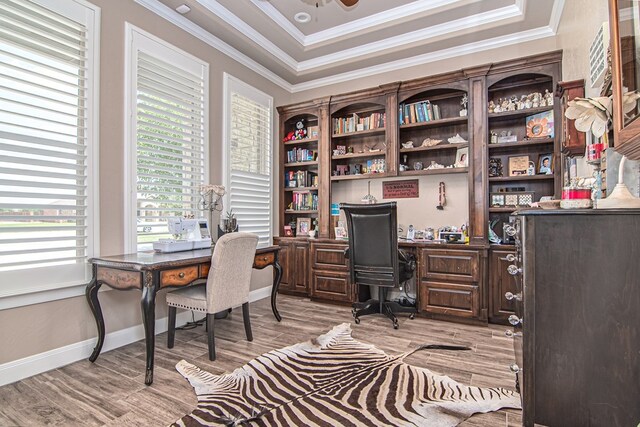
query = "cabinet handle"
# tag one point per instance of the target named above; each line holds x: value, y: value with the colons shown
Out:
x: 510, y: 296
x: 511, y: 257
x: 510, y: 334
x: 514, y: 270
x: 181, y: 275
x: 264, y: 259
x: 514, y: 320
x: 515, y: 368
x: 510, y: 230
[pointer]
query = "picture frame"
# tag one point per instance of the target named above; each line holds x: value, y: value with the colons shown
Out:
x: 545, y: 168
x: 340, y: 232
x: 518, y: 165
x: 288, y: 232
x: 497, y: 200
x: 540, y: 125
x: 462, y: 158
x: 303, y: 225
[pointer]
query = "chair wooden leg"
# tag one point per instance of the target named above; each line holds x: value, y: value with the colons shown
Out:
x: 171, y: 333
x: 247, y: 321
x: 210, y: 336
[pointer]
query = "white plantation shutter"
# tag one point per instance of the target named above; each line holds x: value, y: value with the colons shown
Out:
x: 248, y: 134
x: 170, y: 117
x: 46, y: 144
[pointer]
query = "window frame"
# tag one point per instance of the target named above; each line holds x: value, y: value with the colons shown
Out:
x: 137, y: 39
x: 230, y: 83
x: 32, y: 287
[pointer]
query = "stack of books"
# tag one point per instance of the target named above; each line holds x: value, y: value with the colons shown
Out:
x: 304, y: 201
x: 356, y: 123
x: 301, y: 179
x: 301, y: 155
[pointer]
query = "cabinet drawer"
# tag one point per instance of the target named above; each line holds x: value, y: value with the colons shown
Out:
x: 204, y: 270
x: 262, y: 260
x: 450, y: 265
x: 456, y: 299
x: 331, y: 285
x: 329, y: 257
x: 179, y: 276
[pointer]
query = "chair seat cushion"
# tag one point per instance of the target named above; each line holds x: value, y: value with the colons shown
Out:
x: 191, y: 298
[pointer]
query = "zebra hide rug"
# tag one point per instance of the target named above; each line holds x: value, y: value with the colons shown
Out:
x: 335, y: 380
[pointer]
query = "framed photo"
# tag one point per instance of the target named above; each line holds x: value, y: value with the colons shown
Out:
x: 303, y: 226
x: 540, y: 125
x: 341, y: 233
x: 545, y: 164
x: 497, y: 199
x: 518, y: 165
x: 462, y: 157
x: 288, y: 232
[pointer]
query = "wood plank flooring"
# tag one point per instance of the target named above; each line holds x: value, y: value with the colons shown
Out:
x: 111, y: 391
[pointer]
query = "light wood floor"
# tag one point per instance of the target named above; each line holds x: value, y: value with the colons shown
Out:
x: 111, y: 391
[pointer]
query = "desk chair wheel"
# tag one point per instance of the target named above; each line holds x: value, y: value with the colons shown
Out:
x: 395, y: 324
x: 357, y: 320
x: 353, y: 312
x: 413, y: 316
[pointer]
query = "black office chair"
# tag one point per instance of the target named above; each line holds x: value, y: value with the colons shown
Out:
x: 375, y: 258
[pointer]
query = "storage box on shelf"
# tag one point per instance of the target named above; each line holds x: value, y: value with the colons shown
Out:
x: 433, y: 129
x: 523, y: 139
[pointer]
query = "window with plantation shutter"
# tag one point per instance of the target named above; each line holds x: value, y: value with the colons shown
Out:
x: 48, y: 143
x: 248, y: 157
x: 168, y: 136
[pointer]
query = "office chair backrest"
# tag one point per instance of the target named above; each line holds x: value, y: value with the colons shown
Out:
x: 373, y: 243
x: 229, y: 277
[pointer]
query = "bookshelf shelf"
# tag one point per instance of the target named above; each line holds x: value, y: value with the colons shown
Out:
x: 297, y: 164
x: 443, y: 171
x: 359, y: 133
x: 432, y: 123
x: 521, y: 178
x: 301, y: 189
x: 503, y: 210
x: 359, y: 176
x: 435, y: 148
x: 521, y: 144
x: 301, y: 141
x: 508, y: 115
x: 300, y: 211
x: 359, y: 155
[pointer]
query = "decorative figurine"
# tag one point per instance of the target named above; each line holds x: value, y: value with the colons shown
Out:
x: 428, y: 142
x: 417, y: 166
x: 463, y: 104
x: 408, y: 144
x: 301, y: 131
x: 457, y: 139
x: 492, y: 107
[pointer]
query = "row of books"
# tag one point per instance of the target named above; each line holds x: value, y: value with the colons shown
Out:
x: 301, y: 155
x: 303, y: 201
x: 356, y: 123
x: 418, y: 112
x: 301, y: 179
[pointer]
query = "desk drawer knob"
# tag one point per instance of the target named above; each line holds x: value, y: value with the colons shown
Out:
x: 510, y: 334
x: 511, y: 257
x: 181, y: 275
x: 511, y: 296
x: 514, y: 320
x: 514, y: 270
x: 514, y: 368
x: 510, y: 230
x: 265, y: 259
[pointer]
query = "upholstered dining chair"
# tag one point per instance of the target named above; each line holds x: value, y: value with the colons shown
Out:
x: 227, y: 286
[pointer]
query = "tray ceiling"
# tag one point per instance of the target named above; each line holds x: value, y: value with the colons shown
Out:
x: 342, y: 43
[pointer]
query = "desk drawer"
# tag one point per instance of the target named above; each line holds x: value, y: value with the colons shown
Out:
x: 454, y: 299
x: 331, y: 285
x: 450, y: 265
x: 262, y: 260
x: 178, y: 276
x: 328, y: 257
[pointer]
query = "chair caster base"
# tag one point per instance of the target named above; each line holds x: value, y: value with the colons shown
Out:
x: 357, y: 320
x: 413, y: 316
x: 395, y: 325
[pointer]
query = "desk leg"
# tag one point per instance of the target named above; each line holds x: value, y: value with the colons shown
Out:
x: 92, y: 298
x: 148, y: 304
x: 274, y: 289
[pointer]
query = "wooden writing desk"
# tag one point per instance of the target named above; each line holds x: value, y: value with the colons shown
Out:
x: 150, y: 272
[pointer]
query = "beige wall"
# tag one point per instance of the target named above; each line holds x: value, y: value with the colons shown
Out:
x: 34, y: 329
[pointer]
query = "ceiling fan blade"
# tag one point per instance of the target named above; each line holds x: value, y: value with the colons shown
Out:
x: 348, y: 3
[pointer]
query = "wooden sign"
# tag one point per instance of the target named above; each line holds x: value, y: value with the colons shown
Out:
x: 400, y: 189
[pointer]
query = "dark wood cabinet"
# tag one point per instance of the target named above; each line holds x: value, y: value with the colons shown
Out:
x: 578, y: 359
x: 574, y: 143
x: 294, y: 259
x: 450, y: 283
x: 330, y: 273
x: 501, y: 282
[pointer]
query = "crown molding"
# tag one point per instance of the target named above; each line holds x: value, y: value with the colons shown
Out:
x: 365, y: 24
x: 496, y: 42
x: 413, y: 38
x: 556, y: 14
x: 213, y: 41
x: 248, y: 31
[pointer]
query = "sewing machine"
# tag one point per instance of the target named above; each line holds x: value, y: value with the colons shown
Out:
x: 188, y: 234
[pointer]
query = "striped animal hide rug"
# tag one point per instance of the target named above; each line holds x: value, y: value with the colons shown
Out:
x: 335, y: 380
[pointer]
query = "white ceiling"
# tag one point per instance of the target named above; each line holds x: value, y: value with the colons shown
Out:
x: 341, y: 43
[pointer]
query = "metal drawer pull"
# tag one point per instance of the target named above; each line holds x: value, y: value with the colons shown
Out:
x: 181, y: 275
x: 515, y: 368
x: 514, y: 320
x: 510, y: 334
x: 511, y: 257
x: 514, y: 270
x: 510, y: 296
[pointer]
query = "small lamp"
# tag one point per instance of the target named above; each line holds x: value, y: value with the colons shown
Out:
x: 620, y: 197
x: 369, y: 199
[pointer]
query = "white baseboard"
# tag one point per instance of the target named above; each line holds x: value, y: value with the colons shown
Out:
x: 17, y: 370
